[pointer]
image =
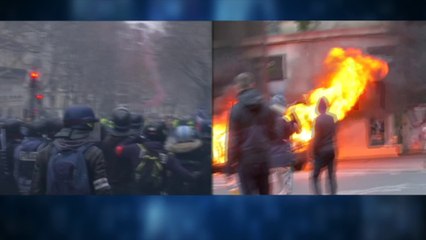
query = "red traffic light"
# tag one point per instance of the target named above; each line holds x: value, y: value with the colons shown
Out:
x: 34, y: 75
x: 39, y: 96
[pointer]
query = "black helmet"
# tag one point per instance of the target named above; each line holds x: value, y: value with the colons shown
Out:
x: 53, y: 126
x: 185, y: 134
x: 155, y: 132
x: 40, y: 126
x: 79, y: 117
x: 13, y: 128
x: 121, y: 118
x: 136, y: 121
x: 35, y: 129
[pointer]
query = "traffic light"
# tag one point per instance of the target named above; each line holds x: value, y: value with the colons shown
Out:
x: 36, y: 98
x: 34, y: 75
x: 34, y: 79
x: 39, y: 96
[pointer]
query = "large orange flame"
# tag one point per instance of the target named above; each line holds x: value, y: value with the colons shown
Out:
x: 348, y: 73
x: 220, y: 128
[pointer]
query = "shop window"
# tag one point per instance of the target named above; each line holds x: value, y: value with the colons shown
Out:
x: 276, y: 66
x: 376, y: 132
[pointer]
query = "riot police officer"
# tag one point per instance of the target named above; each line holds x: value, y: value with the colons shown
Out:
x: 72, y: 163
x: 26, y: 154
x: 10, y: 138
x: 119, y: 165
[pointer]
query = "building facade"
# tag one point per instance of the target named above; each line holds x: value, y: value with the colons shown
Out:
x: 295, y: 60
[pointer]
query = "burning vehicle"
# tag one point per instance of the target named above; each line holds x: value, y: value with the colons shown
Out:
x: 348, y: 72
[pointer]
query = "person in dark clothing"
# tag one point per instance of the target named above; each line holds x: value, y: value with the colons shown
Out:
x: 190, y: 152
x: 204, y: 130
x: 324, y: 147
x: 152, y: 179
x: 11, y: 137
x: 72, y: 164
x: 282, y: 157
x: 136, y: 126
x: 119, y: 166
x: 26, y: 154
x: 251, y: 131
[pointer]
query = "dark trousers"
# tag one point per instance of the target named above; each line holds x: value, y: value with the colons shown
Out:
x: 123, y: 188
x: 324, y: 160
x: 254, y: 178
x: 8, y: 186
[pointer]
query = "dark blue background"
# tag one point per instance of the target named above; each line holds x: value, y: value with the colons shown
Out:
x: 219, y: 217
x: 211, y: 9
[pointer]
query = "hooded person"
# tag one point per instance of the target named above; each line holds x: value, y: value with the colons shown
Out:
x: 251, y: 131
x: 72, y: 164
x: 323, y: 146
x: 190, y: 151
x: 119, y: 165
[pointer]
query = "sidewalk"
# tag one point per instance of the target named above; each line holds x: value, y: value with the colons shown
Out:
x: 401, y: 163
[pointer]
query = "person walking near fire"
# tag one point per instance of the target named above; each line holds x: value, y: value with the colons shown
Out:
x: 323, y: 147
x: 282, y: 157
x: 251, y: 132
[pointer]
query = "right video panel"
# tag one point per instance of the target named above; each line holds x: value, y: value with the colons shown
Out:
x: 319, y: 107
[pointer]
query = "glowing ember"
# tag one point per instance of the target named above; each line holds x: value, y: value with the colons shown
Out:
x: 348, y: 73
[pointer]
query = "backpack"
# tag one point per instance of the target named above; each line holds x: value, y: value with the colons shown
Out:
x: 67, y: 172
x: 28, y: 150
x: 150, y: 172
x: 25, y: 158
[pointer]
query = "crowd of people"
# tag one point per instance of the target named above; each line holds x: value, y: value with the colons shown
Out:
x: 126, y: 154
x: 259, y: 144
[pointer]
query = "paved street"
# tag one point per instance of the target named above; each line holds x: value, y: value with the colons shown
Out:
x: 398, y: 176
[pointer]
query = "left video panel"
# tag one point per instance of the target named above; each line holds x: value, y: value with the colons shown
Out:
x: 121, y: 108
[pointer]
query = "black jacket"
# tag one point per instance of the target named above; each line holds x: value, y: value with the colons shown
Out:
x: 324, y: 135
x: 251, y: 131
x: 195, y: 157
x: 120, y: 169
x: 95, y: 165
